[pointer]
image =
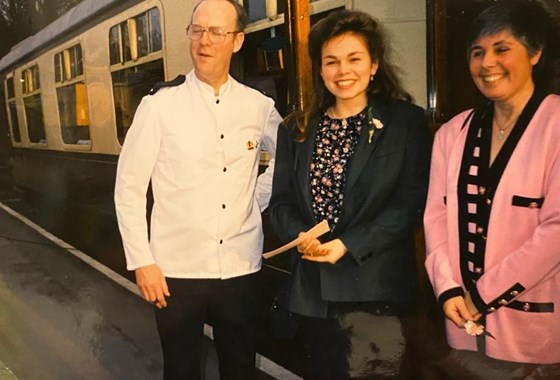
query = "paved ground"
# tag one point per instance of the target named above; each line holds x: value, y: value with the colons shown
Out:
x: 62, y: 319
x: 6, y: 373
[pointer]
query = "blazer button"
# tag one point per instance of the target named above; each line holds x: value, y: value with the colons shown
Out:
x: 491, y: 309
x: 533, y: 205
x: 526, y: 307
x: 514, y: 293
x: 503, y: 302
x: 481, y: 190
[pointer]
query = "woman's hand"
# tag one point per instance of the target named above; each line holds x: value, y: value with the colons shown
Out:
x: 330, y: 252
x: 471, y: 308
x: 309, y: 247
x: 455, y: 309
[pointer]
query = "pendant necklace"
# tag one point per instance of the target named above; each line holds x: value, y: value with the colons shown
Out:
x: 501, y: 135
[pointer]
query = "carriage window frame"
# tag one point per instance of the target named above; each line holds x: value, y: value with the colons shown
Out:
x: 277, y: 17
x: 70, y: 86
x: 32, y: 97
x: 11, y: 109
x: 63, y: 71
x: 148, y: 41
x: 130, y: 57
x: 30, y: 81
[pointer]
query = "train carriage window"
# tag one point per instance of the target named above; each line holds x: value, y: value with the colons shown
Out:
x: 57, y: 68
x: 115, y: 45
x: 72, y: 97
x: 125, y: 40
x: 142, y: 35
x: 267, y: 58
x: 129, y: 87
x: 257, y: 10
x: 136, y: 39
x: 12, y: 109
x: 155, y: 30
x: 10, y: 90
x: 79, y: 60
x: 31, y: 88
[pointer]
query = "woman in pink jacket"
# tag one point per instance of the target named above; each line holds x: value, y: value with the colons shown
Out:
x: 492, y: 220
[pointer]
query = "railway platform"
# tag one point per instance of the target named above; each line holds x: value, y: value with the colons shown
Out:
x: 62, y: 316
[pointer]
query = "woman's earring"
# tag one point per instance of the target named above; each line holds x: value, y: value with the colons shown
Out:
x: 371, y: 78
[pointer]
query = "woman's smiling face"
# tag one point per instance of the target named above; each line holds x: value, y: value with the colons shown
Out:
x: 346, y: 66
x: 500, y: 66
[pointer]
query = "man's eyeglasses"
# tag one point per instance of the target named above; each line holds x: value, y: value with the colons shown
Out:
x: 216, y: 34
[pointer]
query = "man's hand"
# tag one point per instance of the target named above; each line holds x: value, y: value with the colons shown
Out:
x: 330, y: 252
x: 152, y: 284
x: 455, y: 309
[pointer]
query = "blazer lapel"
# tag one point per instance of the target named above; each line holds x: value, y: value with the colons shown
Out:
x: 304, y: 154
x: 377, y: 123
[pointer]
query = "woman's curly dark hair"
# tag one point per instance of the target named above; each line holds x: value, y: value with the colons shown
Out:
x: 386, y: 85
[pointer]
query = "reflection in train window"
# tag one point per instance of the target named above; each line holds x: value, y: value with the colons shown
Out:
x: 31, y: 88
x: 71, y: 95
x: 129, y: 86
x: 10, y: 90
x: 114, y: 45
x: 259, y: 9
x: 155, y: 30
x: 136, y: 37
x: 136, y: 45
x: 68, y: 64
x: 12, y: 109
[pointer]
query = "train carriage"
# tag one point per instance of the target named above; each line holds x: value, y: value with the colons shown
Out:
x: 71, y: 90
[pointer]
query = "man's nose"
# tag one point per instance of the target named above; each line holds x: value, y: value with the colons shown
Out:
x: 205, y: 37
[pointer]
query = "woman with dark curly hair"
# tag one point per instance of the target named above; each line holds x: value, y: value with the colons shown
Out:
x: 358, y: 158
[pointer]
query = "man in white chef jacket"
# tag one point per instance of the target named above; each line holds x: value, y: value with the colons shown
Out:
x: 198, y: 139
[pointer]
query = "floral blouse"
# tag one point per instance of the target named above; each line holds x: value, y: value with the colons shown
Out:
x: 334, y: 146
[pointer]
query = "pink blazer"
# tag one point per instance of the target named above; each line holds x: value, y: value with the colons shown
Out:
x: 522, y: 260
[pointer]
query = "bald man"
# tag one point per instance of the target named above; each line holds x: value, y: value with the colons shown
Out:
x: 202, y: 157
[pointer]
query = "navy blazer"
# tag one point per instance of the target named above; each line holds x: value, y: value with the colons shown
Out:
x: 384, y: 199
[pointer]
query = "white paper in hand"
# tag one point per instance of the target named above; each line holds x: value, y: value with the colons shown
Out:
x: 318, y: 230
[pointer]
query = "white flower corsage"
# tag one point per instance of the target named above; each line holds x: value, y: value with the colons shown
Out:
x: 374, y: 125
x: 472, y: 328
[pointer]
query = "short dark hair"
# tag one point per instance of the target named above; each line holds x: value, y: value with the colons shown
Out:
x: 242, y: 18
x: 531, y: 24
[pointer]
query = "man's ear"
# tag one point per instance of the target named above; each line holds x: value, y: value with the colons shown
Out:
x: 238, y: 41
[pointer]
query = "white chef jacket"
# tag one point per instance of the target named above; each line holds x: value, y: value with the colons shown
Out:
x: 201, y: 152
